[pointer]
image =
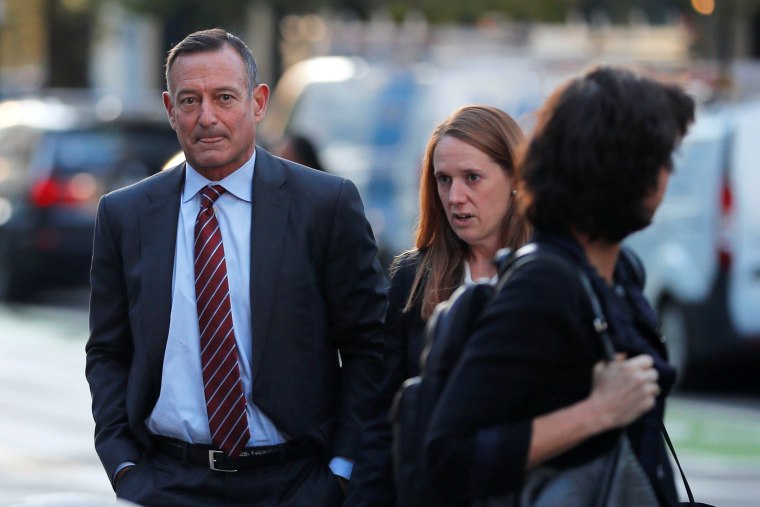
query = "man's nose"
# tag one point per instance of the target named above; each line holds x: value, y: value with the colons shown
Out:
x: 208, y: 114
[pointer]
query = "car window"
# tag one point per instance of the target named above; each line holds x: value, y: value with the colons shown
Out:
x: 84, y: 151
x: 120, y: 155
x: 695, y: 166
x: 352, y: 106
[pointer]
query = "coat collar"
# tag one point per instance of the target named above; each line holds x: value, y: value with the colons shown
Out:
x: 158, y: 220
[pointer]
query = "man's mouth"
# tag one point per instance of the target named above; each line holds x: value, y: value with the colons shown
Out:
x: 210, y: 140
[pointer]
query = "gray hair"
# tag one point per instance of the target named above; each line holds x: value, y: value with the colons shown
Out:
x: 212, y: 40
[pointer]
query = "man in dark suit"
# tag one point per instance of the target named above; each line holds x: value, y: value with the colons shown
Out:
x: 252, y: 392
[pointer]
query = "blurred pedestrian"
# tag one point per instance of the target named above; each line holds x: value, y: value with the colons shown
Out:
x: 594, y: 171
x: 467, y: 212
x: 300, y: 149
x: 236, y: 309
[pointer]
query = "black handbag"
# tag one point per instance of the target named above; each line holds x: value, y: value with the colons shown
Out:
x: 613, y: 479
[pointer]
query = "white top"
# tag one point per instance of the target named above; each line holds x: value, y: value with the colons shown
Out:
x: 484, y: 279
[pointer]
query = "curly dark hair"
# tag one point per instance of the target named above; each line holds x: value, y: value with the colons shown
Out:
x: 597, y: 151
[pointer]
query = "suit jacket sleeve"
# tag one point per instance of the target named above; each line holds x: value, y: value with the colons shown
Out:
x: 109, y: 348
x: 357, y: 298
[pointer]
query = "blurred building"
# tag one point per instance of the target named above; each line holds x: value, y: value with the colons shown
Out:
x: 23, y: 44
x: 52, y: 46
x: 101, y: 46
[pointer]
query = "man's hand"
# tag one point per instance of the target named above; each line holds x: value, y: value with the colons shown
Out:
x: 343, y: 483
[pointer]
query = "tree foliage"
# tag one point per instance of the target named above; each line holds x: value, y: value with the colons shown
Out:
x: 437, y: 11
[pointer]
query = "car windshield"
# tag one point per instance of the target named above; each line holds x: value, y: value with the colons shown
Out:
x: 96, y: 151
x: 77, y: 151
x: 346, y: 125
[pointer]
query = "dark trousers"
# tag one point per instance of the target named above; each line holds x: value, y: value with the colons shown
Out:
x: 162, y: 481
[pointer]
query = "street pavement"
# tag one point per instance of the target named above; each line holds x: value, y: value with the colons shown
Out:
x: 46, y: 427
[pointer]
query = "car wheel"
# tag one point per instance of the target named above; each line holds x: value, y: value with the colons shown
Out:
x: 675, y: 329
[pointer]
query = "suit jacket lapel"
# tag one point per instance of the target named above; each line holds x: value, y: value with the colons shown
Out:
x: 270, y: 207
x: 158, y: 240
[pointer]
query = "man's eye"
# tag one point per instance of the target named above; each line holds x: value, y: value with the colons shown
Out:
x: 188, y: 100
x: 473, y: 177
x: 226, y: 97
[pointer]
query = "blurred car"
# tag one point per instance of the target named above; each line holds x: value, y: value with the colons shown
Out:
x: 56, y: 160
x: 702, y: 252
x: 370, y: 121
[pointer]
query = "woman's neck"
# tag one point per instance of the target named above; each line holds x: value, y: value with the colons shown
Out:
x: 481, y: 263
x: 602, y: 255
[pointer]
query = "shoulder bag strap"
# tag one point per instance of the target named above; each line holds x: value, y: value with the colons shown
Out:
x: 600, y: 324
x: 675, y: 457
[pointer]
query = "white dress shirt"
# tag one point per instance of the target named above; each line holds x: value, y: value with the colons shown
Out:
x: 181, y: 408
x: 180, y: 411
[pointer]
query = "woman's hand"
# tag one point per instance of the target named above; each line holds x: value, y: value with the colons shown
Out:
x: 623, y: 389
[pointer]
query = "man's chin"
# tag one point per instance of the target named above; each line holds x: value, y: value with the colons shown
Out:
x: 206, y: 161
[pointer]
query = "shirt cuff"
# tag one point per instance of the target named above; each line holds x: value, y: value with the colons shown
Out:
x: 121, y: 467
x: 342, y: 466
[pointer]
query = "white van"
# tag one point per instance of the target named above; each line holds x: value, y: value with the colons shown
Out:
x: 702, y: 253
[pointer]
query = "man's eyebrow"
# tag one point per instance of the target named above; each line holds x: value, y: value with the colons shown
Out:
x: 221, y: 89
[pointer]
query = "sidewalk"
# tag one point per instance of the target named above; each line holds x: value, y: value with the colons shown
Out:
x: 46, y: 428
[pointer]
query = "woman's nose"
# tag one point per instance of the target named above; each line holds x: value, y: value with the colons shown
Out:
x: 457, y: 192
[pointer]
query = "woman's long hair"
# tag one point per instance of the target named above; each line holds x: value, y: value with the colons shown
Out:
x: 442, y: 253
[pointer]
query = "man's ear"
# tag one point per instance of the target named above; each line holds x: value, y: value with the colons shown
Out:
x: 260, y: 101
x: 169, y: 107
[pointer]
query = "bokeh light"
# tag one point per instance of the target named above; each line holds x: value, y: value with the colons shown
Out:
x: 704, y: 7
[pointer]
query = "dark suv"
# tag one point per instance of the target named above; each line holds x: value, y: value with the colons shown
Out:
x: 56, y: 160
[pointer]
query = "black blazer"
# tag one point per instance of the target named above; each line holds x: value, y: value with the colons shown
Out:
x: 318, y: 299
x: 533, y: 352
x: 372, y: 479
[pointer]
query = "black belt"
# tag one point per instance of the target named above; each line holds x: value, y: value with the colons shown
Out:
x: 250, y: 457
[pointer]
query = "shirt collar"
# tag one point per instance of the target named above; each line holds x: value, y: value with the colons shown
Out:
x: 468, y: 277
x: 239, y: 183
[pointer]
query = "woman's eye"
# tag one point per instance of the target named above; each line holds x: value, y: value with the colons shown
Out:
x: 442, y: 179
x: 473, y: 177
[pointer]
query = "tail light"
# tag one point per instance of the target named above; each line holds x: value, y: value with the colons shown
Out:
x: 726, y: 225
x: 72, y: 191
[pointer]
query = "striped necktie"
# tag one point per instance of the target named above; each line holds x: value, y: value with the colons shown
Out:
x: 222, y: 386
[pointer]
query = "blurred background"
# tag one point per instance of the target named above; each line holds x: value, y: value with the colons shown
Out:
x: 358, y: 87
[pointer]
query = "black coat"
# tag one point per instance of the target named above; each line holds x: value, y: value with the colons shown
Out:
x: 372, y: 478
x: 532, y: 353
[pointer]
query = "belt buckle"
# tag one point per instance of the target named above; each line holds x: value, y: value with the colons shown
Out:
x: 212, y: 461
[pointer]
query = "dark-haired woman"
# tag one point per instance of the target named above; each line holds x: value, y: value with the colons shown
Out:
x: 594, y: 171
